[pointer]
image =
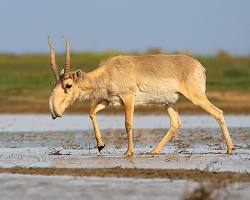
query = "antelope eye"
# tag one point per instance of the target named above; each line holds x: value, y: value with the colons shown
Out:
x: 68, y: 86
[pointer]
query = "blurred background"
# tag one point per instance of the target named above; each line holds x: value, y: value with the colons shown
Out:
x: 215, y: 32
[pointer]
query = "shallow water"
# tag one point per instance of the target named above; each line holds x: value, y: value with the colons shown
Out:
x: 34, y: 123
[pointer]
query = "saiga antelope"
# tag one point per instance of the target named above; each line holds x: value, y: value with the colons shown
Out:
x: 130, y: 81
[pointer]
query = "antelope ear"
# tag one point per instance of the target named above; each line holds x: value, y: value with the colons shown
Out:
x: 78, y: 75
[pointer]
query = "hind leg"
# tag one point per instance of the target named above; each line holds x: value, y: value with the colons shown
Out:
x: 175, y: 123
x: 203, y: 102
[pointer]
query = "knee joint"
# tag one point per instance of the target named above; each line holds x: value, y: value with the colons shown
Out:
x: 175, y: 124
x: 128, y: 125
x: 92, y: 115
x: 220, y: 117
x: 174, y: 127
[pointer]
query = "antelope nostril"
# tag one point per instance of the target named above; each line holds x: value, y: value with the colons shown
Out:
x: 68, y: 86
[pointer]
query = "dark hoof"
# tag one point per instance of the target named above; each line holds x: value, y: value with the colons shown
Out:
x: 101, y: 147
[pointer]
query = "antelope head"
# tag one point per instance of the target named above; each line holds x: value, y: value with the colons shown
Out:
x: 66, y: 89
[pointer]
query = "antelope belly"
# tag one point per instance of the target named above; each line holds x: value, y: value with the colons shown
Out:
x: 143, y: 98
x: 156, y: 92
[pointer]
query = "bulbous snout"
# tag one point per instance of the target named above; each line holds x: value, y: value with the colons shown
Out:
x: 54, y: 110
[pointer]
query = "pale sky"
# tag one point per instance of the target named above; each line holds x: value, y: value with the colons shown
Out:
x: 201, y: 26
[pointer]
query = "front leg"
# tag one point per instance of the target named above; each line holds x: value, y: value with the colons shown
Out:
x: 128, y: 101
x: 92, y: 113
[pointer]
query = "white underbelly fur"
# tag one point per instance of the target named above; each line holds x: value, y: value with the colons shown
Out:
x: 166, y: 97
x: 158, y: 91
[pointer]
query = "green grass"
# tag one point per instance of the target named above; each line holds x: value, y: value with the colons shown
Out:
x: 26, y: 74
x: 227, y: 73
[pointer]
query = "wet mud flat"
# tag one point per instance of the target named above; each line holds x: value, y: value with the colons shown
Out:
x: 202, y: 149
x: 193, y: 163
x: 72, y: 187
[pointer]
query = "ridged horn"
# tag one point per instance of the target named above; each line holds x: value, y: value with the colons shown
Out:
x: 67, y: 62
x: 53, y: 61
